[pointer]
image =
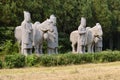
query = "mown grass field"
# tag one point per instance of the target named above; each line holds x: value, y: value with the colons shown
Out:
x: 101, y: 71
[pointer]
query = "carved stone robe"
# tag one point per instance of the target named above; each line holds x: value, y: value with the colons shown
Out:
x: 82, y: 35
x: 52, y: 37
x: 27, y: 34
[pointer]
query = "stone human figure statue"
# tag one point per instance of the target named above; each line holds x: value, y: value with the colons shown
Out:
x: 26, y: 47
x: 82, y: 36
x: 98, y: 44
x: 98, y: 40
x: 52, y: 40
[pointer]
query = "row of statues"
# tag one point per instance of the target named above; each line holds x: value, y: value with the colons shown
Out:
x: 29, y: 35
x: 86, y: 38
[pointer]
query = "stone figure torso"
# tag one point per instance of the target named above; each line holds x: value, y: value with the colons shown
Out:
x: 26, y: 34
x: 82, y: 35
x: 53, y: 37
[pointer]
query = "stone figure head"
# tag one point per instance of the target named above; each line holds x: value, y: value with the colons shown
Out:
x: 27, y: 16
x: 83, y: 21
x: 53, y: 19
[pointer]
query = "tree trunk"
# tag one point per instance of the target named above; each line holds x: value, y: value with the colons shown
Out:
x: 111, y: 43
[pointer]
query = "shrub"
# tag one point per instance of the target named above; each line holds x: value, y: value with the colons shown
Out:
x: 97, y: 57
x: 48, y: 60
x: 60, y: 59
x: 32, y: 60
x: 87, y: 58
x: 110, y: 57
x: 9, y: 48
x: 64, y: 59
x: 14, y: 61
x: 117, y: 55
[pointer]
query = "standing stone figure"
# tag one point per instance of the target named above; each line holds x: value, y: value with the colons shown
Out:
x: 26, y: 47
x: 98, y: 44
x: 52, y: 40
x: 98, y: 40
x: 82, y: 36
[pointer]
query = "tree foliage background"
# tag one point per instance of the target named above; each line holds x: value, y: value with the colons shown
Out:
x: 68, y: 13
